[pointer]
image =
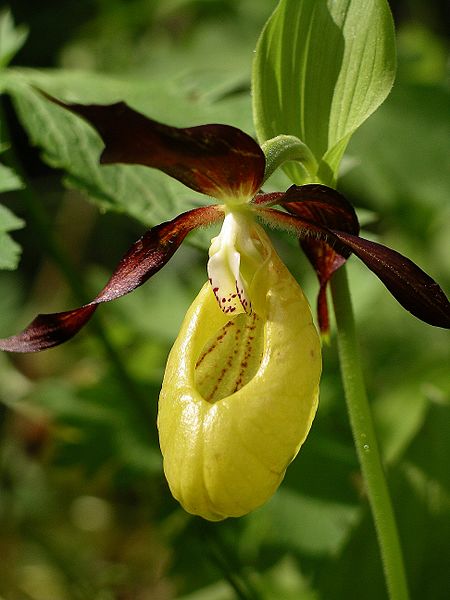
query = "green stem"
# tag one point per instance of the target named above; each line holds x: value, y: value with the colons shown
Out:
x: 366, y: 441
x: 285, y: 148
x: 227, y: 564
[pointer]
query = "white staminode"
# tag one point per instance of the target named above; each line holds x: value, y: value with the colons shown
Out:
x: 233, y: 259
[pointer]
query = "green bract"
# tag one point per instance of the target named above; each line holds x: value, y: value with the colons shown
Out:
x: 321, y: 69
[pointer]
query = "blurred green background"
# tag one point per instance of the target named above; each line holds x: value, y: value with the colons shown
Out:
x: 85, y: 513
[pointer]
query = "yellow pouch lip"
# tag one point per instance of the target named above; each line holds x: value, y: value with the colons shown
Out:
x: 226, y: 458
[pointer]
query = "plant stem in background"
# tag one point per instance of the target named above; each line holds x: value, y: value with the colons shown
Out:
x: 228, y: 564
x: 365, y: 439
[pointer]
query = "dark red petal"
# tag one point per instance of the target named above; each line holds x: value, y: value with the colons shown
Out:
x: 413, y: 288
x: 46, y: 331
x: 218, y: 160
x: 323, y: 205
x: 268, y: 199
x: 147, y: 256
x: 153, y: 250
x: 328, y: 207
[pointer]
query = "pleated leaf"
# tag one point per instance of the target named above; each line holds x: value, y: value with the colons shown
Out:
x: 70, y: 144
x: 9, y: 249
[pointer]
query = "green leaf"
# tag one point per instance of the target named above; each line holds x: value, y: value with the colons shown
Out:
x: 216, y: 591
x: 11, y: 38
x: 321, y: 69
x: 304, y: 524
x: 70, y: 144
x: 9, y: 181
x: 97, y: 424
x: 399, y: 415
x: 10, y: 252
x: 9, y: 249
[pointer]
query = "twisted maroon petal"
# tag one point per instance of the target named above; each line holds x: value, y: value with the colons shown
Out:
x: 413, y: 288
x: 218, y: 160
x: 416, y: 291
x: 328, y: 207
x: 268, y: 199
x: 145, y: 257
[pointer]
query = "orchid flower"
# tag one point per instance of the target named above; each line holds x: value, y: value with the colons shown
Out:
x: 241, y: 384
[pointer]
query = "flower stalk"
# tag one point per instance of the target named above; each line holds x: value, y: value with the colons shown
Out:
x: 366, y: 440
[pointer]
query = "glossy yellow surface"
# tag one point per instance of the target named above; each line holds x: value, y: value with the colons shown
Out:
x: 238, y: 398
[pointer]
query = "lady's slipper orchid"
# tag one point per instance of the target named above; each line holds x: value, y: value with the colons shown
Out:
x: 235, y: 406
x: 241, y: 383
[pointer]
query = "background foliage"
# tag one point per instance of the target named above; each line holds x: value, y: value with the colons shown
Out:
x: 84, y: 509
